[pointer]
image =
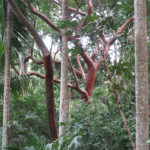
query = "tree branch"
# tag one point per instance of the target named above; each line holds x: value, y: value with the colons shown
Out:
x: 22, y: 19
x: 121, y: 29
x: 84, y: 93
x: 71, y: 9
x: 95, y: 52
x: 81, y: 69
x: 33, y: 59
x: 85, y: 56
x: 107, y: 46
x: 75, y: 76
x: 43, y: 17
x: 35, y: 74
x: 77, y: 10
x: 16, y: 70
x: 90, y: 7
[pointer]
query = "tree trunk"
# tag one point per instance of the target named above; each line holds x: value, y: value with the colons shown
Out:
x: 7, y: 81
x: 63, y: 115
x: 21, y: 64
x: 141, y: 76
x: 47, y: 66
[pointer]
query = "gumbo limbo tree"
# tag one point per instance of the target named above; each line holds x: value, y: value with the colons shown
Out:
x: 76, y: 24
x: 92, y: 61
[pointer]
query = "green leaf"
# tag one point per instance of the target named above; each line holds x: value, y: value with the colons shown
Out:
x: 67, y: 24
x: 75, y: 51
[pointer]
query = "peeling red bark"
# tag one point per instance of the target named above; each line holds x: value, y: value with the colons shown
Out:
x: 50, y: 96
x: 44, y: 17
x: 90, y: 80
x: 47, y: 66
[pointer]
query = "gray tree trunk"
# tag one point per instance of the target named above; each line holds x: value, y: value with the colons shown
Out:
x: 7, y: 81
x: 21, y: 64
x: 141, y: 76
x: 63, y: 115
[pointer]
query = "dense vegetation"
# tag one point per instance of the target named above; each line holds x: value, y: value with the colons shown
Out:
x: 94, y: 126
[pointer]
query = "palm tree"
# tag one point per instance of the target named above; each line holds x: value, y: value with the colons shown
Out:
x: 16, y: 35
x: 141, y: 76
x: 7, y: 80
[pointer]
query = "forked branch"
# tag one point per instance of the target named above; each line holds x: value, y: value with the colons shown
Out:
x: 81, y: 69
x: 71, y: 9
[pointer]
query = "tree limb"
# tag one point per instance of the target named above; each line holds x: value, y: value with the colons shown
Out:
x: 16, y: 70
x: 75, y: 76
x: 121, y: 29
x: 22, y: 19
x: 107, y: 46
x: 77, y: 10
x: 81, y: 69
x: 43, y: 17
x: 85, y: 56
x: 90, y: 7
x: 95, y: 52
x: 35, y: 74
x: 33, y: 59
x: 71, y: 9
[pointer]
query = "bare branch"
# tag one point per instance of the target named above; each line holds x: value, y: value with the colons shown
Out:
x: 35, y: 74
x: 22, y: 19
x: 84, y: 93
x: 77, y: 10
x: 71, y: 9
x: 121, y: 29
x: 107, y: 46
x: 55, y: 74
x: 15, y: 69
x: 43, y: 17
x: 85, y: 56
x: 75, y: 76
x: 95, y: 52
x: 33, y: 59
x: 81, y: 69
x: 90, y: 7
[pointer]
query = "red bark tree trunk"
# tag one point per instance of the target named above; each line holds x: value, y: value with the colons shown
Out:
x: 47, y: 65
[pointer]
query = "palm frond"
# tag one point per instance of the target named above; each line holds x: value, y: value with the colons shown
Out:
x: 2, y: 27
x: 20, y: 35
x: 18, y: 84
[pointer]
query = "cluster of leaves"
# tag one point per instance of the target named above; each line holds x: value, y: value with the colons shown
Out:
x: 28, y: 118
x: 93, y: 126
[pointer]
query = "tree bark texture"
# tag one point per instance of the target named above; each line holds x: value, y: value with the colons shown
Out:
x: 6, y: 106
x: 21, y: 64
x: 63, y: 114
x: 50, y: 97
x: 141, y: 76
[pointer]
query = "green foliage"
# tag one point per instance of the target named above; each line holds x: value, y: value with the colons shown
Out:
x: 18, y: 84
x: 64, y: 24
x: 123, y: 69
x: 74, y: 51
x: 96, y: 126
x: 39, y: 142
x: 28, y: 120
